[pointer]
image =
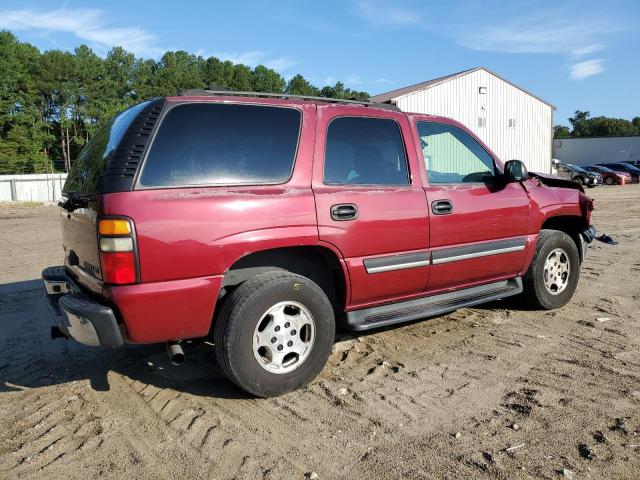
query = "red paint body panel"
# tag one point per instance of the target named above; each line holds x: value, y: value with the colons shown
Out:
x: 479, y: 215
x: 157, y: 312
x: 188, y: 238
x: 481, y: 212
x: 390, y: 219
x: 185, y: 233
x: 453, y: 275
x: 547, y: 202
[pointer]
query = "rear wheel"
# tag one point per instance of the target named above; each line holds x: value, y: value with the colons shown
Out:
x: 274, y: 333
x: 553, y: 275
x: 608, y: 181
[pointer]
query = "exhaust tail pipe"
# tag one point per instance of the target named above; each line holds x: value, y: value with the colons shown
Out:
x: 175, y: 352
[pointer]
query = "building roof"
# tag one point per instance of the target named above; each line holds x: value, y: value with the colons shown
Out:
x: 393, y: 94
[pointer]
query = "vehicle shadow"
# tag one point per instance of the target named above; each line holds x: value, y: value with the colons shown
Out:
x: 30, y: 359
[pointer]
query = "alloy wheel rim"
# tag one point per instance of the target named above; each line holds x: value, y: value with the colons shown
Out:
x: 557, y: 269
x: 284, y: 337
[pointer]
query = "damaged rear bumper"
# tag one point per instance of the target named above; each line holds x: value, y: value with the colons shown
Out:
x: 76, y: 315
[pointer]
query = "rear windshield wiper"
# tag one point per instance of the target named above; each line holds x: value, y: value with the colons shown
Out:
x: 74, y: 200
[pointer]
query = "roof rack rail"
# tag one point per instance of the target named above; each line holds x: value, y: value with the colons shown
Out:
x: 286, y: 96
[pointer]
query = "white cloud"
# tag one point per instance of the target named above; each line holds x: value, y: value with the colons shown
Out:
x: 580, y: 52
x: 543, y: 33
x: 382, y: 12
x: 86, y: 24
x: 588, y: 68
x: 281, y: 64
x: 252, y: 58
x: 383, y: 80
x: 567, y: 30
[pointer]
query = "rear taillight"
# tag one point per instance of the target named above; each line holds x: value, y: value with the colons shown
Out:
x: 117, y: 251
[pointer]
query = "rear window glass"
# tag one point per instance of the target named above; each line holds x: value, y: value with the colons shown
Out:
x: 85, y: 175
x: 222, y: 144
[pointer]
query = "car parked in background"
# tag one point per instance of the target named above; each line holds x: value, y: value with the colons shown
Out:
x: 577, y: 174
x: 596, y: 175
x: 635, y: 163
x: 624, y: 167
x: 610, y: 177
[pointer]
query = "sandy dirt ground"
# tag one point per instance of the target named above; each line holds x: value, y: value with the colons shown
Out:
x: 490, y: 392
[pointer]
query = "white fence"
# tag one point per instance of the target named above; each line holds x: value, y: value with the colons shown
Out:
x: 46, y: 187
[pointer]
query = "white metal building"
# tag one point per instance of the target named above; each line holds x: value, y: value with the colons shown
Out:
x: 514, y: 123
x: 592, y: 150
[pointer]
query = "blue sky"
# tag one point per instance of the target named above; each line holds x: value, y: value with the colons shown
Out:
x: 575, y: 54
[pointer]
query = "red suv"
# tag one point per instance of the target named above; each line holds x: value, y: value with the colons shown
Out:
x: 268, y: 221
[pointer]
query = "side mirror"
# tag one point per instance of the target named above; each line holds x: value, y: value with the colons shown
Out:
x: 515, y: 171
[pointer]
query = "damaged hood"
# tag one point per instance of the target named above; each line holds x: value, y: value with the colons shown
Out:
x: 555, y: 181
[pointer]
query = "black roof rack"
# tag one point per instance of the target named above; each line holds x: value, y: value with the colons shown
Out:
x: 286, y: 96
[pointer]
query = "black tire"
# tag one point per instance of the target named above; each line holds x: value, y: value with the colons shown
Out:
x: 608, y: 181
x: 535, y: 292
x: 236, y: 324
x: 579, y: 180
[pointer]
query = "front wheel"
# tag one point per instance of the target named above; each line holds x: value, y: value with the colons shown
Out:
x: 553, y: 275
x: 274, y: 333
x: 608, y: 181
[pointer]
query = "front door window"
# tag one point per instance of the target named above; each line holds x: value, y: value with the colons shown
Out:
x: 451, y: 155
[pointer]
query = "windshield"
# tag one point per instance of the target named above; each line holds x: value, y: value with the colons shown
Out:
x: 603, y: 169
x: 85, y: 175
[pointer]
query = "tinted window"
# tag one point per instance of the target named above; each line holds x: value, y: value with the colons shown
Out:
x: 451, y: 155
x: 208, y: 144
x: 85, y: 175
x: 365, y: 151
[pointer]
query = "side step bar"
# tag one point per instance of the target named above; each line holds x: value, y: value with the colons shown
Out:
x: 376, y: 317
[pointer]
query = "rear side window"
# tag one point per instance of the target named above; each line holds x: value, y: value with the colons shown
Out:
x: 365, y: 151
x: 87, y: 171
x: 222, y: 144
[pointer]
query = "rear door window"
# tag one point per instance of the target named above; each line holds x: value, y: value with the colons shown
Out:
x: 365, y: 151
x: 222, y: 144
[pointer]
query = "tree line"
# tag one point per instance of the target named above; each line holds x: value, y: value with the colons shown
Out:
x: 52, y: 102
x: 583, y: 125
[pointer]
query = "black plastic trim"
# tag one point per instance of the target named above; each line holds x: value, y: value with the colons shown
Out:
x: 382, y: 316
x: 123, y: 166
